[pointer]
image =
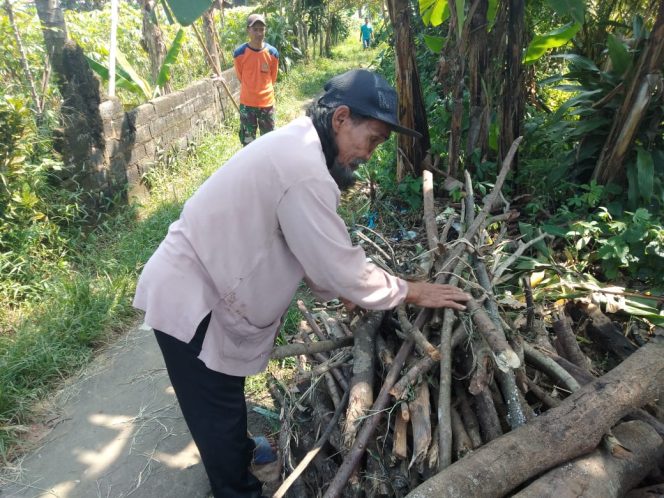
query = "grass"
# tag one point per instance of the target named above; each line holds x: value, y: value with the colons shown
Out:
x: 87, y: 303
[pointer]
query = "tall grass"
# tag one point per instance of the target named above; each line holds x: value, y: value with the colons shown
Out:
x: 86, y: 303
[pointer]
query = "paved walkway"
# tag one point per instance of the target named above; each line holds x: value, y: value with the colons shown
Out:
x: 117, y: 432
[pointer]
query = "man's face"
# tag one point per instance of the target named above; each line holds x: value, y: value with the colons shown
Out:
x: 356, y: 141
x: 256, y: 33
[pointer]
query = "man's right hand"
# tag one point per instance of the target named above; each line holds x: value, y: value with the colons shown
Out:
x: 429, y: 295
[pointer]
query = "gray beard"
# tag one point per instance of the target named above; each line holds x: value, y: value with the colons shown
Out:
x: 344, y: 176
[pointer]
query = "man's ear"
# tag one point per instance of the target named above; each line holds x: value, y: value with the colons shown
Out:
x: 341, y: 114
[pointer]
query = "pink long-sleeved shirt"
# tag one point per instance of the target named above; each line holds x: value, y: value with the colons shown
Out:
x: 244, y: 241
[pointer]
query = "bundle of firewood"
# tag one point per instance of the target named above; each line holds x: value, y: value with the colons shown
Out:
x: 425, y: 403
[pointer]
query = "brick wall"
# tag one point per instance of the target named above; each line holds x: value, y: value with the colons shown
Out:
x: 168, y: 123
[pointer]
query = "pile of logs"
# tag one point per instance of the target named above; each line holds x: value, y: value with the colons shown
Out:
x: 480, y: 403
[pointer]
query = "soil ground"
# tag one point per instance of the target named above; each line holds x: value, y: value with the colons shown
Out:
x: 115, y: 431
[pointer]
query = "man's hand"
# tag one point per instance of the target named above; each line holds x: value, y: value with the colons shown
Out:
x: 429, y: 295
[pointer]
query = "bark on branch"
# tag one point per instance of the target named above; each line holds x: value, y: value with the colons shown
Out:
x: 572, y: 429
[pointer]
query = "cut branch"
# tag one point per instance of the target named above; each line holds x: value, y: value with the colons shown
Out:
x: 570, y: 430
x: 310, y: 348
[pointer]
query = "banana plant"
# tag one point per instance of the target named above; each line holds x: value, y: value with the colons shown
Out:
x: 127, y: 77
x: 541, y: 44
x: 436, y: 12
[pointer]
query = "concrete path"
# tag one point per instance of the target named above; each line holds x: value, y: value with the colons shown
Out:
x: 117, y: 432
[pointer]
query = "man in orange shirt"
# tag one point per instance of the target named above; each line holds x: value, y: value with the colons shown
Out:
x: 256, y: 65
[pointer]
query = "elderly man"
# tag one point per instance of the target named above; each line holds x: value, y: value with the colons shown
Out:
x: 217, y: 287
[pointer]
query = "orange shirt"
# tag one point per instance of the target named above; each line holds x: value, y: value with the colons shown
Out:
x: 257, y: 72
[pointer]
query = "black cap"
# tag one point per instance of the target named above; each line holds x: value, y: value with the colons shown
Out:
x: 368, y: 94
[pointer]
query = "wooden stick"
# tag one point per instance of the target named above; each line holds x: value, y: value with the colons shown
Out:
x: 310, y: 348
x: 383, y: 352
x: 400, y: 436
x: 421, y: 367
x: 405, y: 411
x: 469, y: 418
x: 543, y: 396
x: 487, y: 415
x: 310, y: 320
x: 505, y: 357
x: 469, y: 199
x: 332, y: 388
x: 321, y: 357
x: 420, y: 420
x: 505, y: 375
x: 530, y: 304
x: 445, y: 429
x: 421, y: 342
x: 368, y: 427
x: 429, y: 212
x: 324, y: 367
x: 362, y: 381
x: 215, y: 68
x: 281, y: 491
x: 554, y: 371
x: 462, y: 443
x: 567, y: 338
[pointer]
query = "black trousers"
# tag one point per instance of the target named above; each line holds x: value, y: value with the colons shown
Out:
x: 215, y: 410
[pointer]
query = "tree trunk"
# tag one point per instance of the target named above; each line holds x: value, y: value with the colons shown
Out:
x: 608, y: 472
x: 450, y: 72
x: 572, y: 429
x: 513, y: 90
x: 410, y: 151
x: 211, y: 38
x: 54, y: 29
x: 82, y: 140
x: 647, y: 78
x: 153, y: 41
x: 477, y: 74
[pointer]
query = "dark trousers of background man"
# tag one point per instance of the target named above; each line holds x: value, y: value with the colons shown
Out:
x: 215, y: 410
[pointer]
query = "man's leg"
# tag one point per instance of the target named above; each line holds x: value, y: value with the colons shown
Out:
x: 266, y: 119
x: 248, y: 124
x: 215, y: 410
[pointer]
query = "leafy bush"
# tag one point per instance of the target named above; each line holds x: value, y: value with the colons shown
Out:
x: 633, y: 244
x: 33, y: 212
x: 281, y: 36
x: 585, y: 120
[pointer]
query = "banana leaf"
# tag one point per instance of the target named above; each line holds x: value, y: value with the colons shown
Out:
x: 187, y: 11
x: 122, y: 79
x: 131, y: 74
x: 621, y: 59
x: 541, y: 44
x: 169, y: 60
x: 434, y: 43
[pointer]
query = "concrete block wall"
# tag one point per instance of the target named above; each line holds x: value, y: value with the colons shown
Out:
x: 134, y: 139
